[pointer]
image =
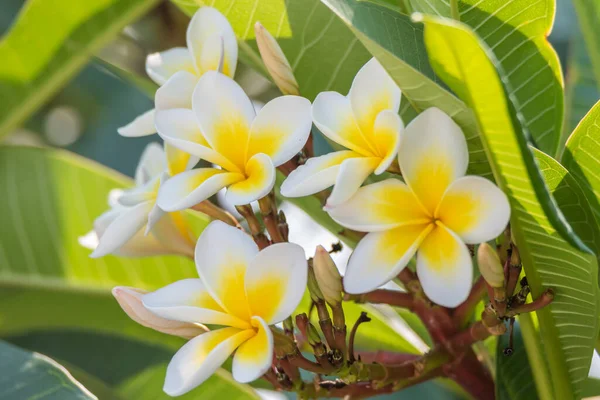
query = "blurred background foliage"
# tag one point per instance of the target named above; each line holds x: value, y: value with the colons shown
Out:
x: 110, y: 355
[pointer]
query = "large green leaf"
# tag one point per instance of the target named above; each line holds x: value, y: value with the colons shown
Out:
x: 25, y: 375
x: 398, y: 44
x: 49, y: 42
x: 569, y: 325
x: 514, y: 379
x: 588, y: 13
x: 323, y: 53
x: 515, y: 31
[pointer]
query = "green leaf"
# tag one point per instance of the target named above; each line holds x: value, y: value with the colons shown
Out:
x: 569, y: 325
x: 588, y: 14
x: 323, y: 53
x: 515, y: 31
x: 580, y: 157
x: 25, y: 375
x: 48, y: 43
x: 398, y: 44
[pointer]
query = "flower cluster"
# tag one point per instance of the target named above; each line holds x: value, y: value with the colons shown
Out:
x: 427, y: 207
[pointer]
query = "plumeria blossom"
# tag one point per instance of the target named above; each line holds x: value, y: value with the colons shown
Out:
x: 241, y: 289
x: 434, y: 214
x: 223, y: 129
x: 366, y: 122
x: 121, y: 231
x: 211, y: 46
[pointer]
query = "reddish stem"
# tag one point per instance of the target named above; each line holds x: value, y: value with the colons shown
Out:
x: 464, y: 311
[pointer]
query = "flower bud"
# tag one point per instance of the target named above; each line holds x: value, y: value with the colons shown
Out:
x: 313, y: 335
x: 313, y: 287
x: 277, y: 64
x: 328, y: 277
x: 489, y: 266
x: 130, y: 300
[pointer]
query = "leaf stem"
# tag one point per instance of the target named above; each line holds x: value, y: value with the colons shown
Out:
x: 454, y: 13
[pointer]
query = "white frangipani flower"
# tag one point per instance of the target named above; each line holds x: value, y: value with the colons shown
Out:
x: 121, y: 231
x: 211, y: 46
x: 434, y: 214
x: 366, y: 122
x: 234, y: 278
x: 223, y: 129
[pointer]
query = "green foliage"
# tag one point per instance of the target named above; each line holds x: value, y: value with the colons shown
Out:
x: 25, y: 375
x: 514, y: 380
x: 48, y: 43
x: 588, y: 13
x: 549, y: 261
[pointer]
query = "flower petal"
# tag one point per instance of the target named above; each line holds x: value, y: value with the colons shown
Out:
x: 433, y: 154
x: 191, y: 187
x: 129, y: 222
x: 179, y: 128
x: 188, y: 300
x: 379, y: 207
x: 161, y: 66
x: 333, y: 115
x: 152, y: 163
x: 142, y: 125
x: 130, y: 300
x: 176, y: 92
x: 373, y: 91
x: 206, y: 26
x: 387, y: 131
x: 281, y: 128
x: 199, y: 358
x: 254, y: 357
x: 280, y: 271
x: 179, y: 160
x: 317, y: 174
x: 174, y: 232
x: 260, y: 180
x: 223, y: 254
x: 444, y: 267
x: 475, y: 209
x: 225, y: 114
x: 380, y: 256
x: 351, y: 176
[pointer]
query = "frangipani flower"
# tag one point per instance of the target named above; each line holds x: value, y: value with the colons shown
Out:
x: 119, y: 230
x: 211, y: 46
x: 434, y: 214
x: 223, y: 128
x: 366, y: 122
x: 242, y: 290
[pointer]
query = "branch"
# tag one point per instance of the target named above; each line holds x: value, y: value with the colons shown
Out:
x: 465, y: 310
x: 384, y: 296
x: 209, y: 208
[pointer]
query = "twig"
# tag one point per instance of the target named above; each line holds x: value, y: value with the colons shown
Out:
x: 363, y: 318
x: 268, y: 208
x: 384, y: 296
x: 545, y: 299
x: 209, y: 208
x: 464, y: 311
x: 254, y: 225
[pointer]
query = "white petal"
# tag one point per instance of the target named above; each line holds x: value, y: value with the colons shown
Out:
x: 153, y: 217
x: 142, y: 125
x: 124, y: 227
x: 174, y: 232
x: 317, y: 174
x: 281, y: 128
x: 179, y: 160
x: 161, y: 66
x: 206, y: 24
x: 333, y: 115
x: 188, y: 300
x: 373, y: 91
x: 176, y: 92
x: 130, y: 300
x: 444, y: 267
x: 189, y: 188
x: 351, y: 176
x: 380, y: 256
x: 388, y: 131
x: 433, y: 154
x: 260, y: 180
x: 254, y: 357
x: 179, y: 128
x: 379, y: 207
x: 222, y: 255
x: 280, y: 271
x: 225, y: 114
x: 475, y: 209
x: 199, y: 358
x: 152, y: 163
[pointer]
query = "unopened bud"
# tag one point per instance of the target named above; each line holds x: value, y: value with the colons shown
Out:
x: 313, y: 335
x: 489, y: 265
x: 130, y: 300
x: 328, y: 277
x: 277, y: 64
x: 313, y: 287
